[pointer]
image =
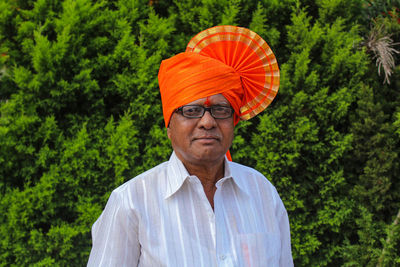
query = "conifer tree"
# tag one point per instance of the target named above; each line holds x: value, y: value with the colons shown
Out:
x: 80, y: 114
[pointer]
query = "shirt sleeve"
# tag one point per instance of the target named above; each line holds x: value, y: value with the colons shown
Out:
x: 115, y: 235
x: 284, y: 228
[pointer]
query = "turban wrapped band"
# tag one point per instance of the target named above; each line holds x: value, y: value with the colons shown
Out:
x: 227, y: 60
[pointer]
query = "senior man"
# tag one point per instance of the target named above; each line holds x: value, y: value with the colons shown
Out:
x: 199, y: 208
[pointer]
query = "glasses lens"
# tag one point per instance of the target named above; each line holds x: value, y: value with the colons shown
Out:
x: 221, y: 112
x: 195, y: 111
x: 192, y: 111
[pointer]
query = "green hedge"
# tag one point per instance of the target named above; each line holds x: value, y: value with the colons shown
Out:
x: 80, y: 113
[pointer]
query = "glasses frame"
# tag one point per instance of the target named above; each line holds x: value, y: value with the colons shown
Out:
x: 209, y: 109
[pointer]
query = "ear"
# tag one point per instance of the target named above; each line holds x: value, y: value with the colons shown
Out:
x: 169, y: 133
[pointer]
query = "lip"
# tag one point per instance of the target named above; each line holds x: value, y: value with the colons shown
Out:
x: 206, y: 139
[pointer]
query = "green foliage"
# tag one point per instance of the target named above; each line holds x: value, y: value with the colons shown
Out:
x: 80, y: 114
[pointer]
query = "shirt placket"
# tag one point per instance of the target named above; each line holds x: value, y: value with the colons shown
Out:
x: 221, y: 241
x: 223, y: 249
x: 209, y: 211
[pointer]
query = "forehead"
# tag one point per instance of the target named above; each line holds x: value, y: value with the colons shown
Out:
x: 212, y: 100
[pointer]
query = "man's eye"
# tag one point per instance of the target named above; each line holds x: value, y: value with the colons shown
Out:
x: 192, y: 110
x: 221, y: 110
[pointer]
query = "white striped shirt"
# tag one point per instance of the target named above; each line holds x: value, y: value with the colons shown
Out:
x: 163, y: 218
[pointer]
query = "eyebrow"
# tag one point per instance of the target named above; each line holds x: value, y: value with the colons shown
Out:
x: 223, y: 103
x: 215, y: 104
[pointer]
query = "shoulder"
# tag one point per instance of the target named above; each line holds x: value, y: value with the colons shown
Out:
x: 143, y: 182
x: 243, y: 168
x: 254, y: 182
x: 245, y: 172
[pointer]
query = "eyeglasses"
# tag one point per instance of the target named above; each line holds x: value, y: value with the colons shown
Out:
x: 196, y: 111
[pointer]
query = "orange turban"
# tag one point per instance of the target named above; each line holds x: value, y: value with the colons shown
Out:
x: 227, y: 60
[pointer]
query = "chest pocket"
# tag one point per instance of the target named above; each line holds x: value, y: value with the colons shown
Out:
x: 259, y: 249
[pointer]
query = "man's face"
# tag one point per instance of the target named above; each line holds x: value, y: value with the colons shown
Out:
x: 199, y: 141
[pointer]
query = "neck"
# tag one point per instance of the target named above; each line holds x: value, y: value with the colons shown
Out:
x: 208, y: 174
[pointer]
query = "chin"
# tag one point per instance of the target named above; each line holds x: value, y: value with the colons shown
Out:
x: 209, y: 156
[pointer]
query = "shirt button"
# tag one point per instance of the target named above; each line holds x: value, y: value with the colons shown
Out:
x: 222, y: 257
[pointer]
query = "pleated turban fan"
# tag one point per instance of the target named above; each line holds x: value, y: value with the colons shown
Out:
x: 228, y: 60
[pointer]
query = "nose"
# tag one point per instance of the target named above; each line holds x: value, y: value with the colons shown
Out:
x: 207, y: 121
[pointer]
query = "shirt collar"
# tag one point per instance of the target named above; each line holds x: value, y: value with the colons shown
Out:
x: 238, y: 179
x: 177, y: 175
